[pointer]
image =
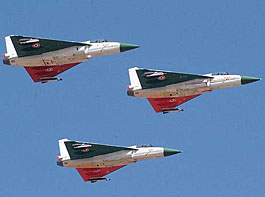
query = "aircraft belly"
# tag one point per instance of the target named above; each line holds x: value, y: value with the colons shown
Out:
x: 118, y: 162
x: 112, y: 159
x: 64, y: 56
x: 64, y: 60
x: 102, y: 164
x: 27, y: 61
x: 60, y: 57
x: 150, y: 93
x: 163, y: 93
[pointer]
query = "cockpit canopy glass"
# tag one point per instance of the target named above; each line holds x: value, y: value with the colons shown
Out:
x: 144, y: 146
x: 221, y: 73
x: 100, y: 41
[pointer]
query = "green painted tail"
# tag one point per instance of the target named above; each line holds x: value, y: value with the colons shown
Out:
x: 82, y: 150
x: 28, y: 46
x: 158, y: 78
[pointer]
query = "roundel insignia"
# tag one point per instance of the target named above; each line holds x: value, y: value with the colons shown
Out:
x: 36, y: 45
x: 172, y: 100
x: 85, y: 150
x: 49, y: 69
x: 161, y: 78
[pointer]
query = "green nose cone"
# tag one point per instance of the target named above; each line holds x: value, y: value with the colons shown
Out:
x: 169, y: 151
x: 246, y: 79
x: 127, y: 47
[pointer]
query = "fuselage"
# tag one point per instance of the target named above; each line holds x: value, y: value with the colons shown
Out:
x: 188, y: 88
x: 118, y: 158
x: 74, y: 54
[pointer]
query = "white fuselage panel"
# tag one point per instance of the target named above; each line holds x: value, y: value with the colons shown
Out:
x: 119, y: 158
x: 192, y: 87
x: 68, y: 55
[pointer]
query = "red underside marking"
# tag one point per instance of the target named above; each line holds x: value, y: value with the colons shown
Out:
x: 38, y: 72
x: 88, y: 173
x: 169, y: 103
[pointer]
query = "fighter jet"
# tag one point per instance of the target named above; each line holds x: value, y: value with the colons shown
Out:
x: 166, y: 90
x: 43, y: 59
x: 94, y: 161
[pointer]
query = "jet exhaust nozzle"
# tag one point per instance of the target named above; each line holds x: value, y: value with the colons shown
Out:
x: 130, y: 92
x: 60, y: 163
x: 6, y: 61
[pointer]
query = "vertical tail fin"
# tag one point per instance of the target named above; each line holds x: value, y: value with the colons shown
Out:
x: 11, y: 51
x: 134, y: 79
x: 64, y: 155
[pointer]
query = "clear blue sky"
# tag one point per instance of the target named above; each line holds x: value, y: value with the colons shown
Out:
x: 222, y: 134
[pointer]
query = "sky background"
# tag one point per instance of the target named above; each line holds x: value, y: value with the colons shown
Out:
x: 222, y: 133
